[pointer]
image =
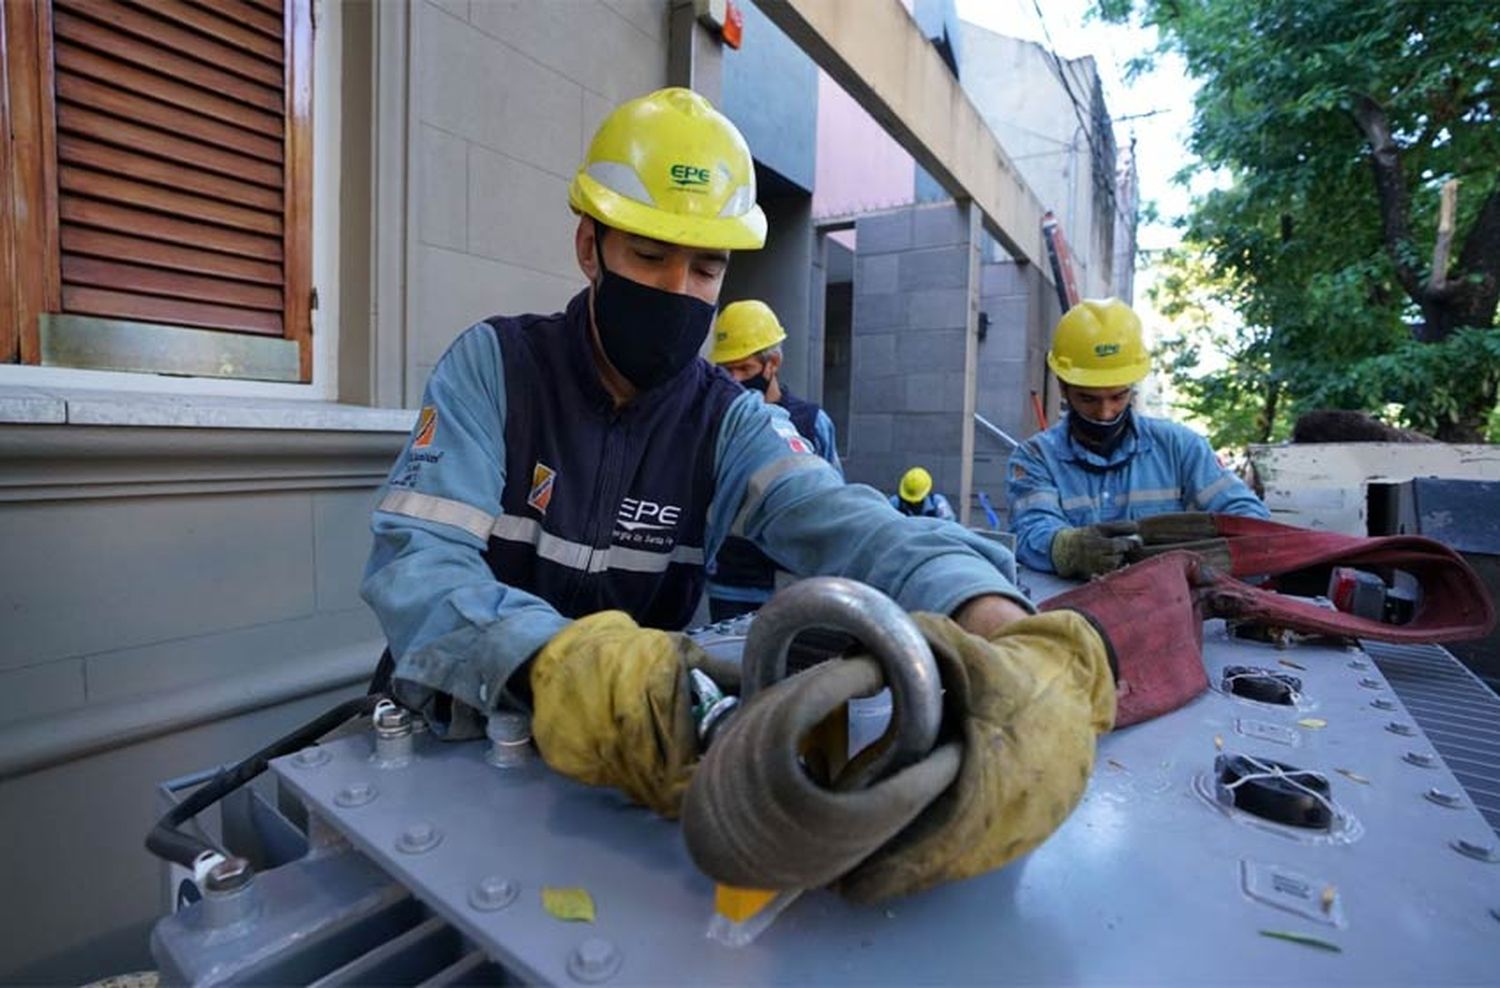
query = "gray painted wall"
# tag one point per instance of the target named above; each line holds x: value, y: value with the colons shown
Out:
x: 771, y: 93
x: 1015, y: 87
x: 147, y: 572
x: 910, y: 309
x: 779, y: 276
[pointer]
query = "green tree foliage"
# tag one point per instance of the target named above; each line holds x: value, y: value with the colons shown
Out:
x: 1337, y: 123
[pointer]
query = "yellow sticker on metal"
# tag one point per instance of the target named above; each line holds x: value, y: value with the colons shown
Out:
x: 739, y: 904
x: 572, y: 904
x: 1312, y: 723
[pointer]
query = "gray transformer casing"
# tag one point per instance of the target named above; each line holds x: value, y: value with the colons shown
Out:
x: 1150, y: 880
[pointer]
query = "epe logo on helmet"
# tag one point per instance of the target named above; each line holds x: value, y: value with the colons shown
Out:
x: 688, y: 177
x: 1106, y: 349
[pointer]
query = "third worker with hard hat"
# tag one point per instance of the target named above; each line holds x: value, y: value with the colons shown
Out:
x: 747, y: 345
x: 915, y: 496
x: 1075, y: 488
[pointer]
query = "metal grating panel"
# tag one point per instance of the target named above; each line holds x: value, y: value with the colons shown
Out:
x: 1456, y: 711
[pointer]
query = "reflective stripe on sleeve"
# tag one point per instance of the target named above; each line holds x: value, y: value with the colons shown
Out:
x: 444, y: 511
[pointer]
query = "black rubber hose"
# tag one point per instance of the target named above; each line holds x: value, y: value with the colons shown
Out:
x: 170, y: 844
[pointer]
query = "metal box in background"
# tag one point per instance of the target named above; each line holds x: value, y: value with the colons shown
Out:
x: 1463, y: 515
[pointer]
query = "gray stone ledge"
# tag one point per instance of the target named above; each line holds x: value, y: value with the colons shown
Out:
x: 57, y: 406
x: 29, y: 405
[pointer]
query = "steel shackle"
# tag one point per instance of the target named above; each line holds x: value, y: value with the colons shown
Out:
x: 880, y: 626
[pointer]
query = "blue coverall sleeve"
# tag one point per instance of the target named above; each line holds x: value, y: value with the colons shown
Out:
x: 824, y: 441
x: 1036, y: 513
x: 799, y: 511
x: 1207, y: 486
x: 451, y: 626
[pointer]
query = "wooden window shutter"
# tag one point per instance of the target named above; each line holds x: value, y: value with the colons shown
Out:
x: 183, y: 164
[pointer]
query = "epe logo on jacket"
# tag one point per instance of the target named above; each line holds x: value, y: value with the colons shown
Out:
x: 543, y: 478
x: 645, y: 524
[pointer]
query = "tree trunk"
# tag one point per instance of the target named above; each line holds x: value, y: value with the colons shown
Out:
x: 1267, y: 421
x: 1470, y: 295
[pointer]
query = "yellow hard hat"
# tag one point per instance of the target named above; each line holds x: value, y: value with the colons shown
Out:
x: 916, y: 484
x: 744, y: 328
x: 1098, y: 344
x: 669, y: 166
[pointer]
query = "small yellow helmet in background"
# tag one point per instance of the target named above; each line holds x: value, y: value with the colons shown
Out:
x: 916, y: 484
x: 744, y: 329
x: 669, y: 166
x: 1098, y: 344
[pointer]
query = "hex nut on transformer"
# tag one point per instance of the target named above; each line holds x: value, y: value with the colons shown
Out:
x: 594, y: 960
x: 311, y: 757
x: 419, y: 838
x: 493, y: 893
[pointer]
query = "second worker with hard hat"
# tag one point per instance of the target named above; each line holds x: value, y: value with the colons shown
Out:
x: 1076, y: 488
x: 747, y: 345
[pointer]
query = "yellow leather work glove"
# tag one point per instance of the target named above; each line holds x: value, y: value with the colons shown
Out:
x: 612, y: 707
x: 1026, y: 707
x: 1093, y: 550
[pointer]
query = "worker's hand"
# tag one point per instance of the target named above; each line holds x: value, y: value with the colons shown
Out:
x: 1177, y: 526
x: 1192, y: 531
x: 612, y: 707
x: 1026, y: 707
x: 1151, y: 617
x: 987, y: 614
x: 1093, y: 550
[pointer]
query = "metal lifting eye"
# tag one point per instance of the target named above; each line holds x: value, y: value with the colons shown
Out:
x: 1274, y: 791
x: 880, y: 625
x: 1263, y: 685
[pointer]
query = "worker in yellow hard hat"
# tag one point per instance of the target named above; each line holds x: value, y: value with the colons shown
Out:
x: 543, y: 535
x: 915, y: 496
x: 747, y: 339
x: 1077, y: 488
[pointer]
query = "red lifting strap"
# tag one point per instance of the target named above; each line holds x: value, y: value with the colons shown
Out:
x: 1454, y: 605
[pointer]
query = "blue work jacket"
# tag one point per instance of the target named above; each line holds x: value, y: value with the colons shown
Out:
x: 1054, y: 482
x: 524, y: 498
x: 933, y: 506
x: 741, y: 572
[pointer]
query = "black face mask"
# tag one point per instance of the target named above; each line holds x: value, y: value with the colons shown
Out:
x: 759, y: 383
x: 1101, y: 437
x: 647, y: 334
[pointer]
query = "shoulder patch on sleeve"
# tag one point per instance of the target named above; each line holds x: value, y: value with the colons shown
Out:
x: 788, y: 432
x: 426, y: 427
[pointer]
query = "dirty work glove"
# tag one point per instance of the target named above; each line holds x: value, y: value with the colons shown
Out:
x: 1079, y: 553
x: 612, y: 707
x: 1192, y: 531
x: 1025, y: 707
x: 1151, y: 618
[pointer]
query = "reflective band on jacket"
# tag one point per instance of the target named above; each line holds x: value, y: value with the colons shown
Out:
x: 444, y: 511
x: 576, y: 555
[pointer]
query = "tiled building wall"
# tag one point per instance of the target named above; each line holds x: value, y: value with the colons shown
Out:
x: 1022, y: 308
x: 505, y: 95
x: 910, y: 306
x: 910, y: 310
